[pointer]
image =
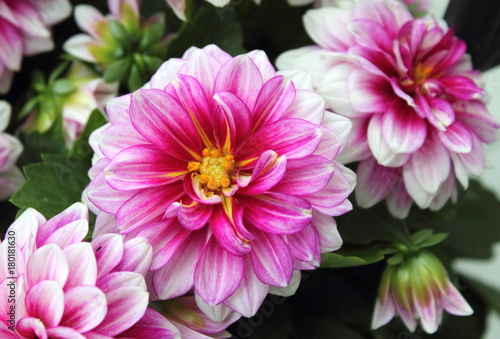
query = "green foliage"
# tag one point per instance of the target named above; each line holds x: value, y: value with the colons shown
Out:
x: 58, y: 181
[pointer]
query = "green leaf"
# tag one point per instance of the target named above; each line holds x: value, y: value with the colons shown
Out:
x: 63, y: 86
x: 206, y: 27
x: 117, y: 70
x: 135, y: 80
x: 350, y: 255
x: 120, y: 33
x: 151, y: 35
x: 58, y: 181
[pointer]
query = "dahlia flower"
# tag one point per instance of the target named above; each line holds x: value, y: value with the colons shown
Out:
x: 416, y: 105
x: 123, y: 44
x: 24, y: 30
x: 228, y: 169
x: 11, y: 177
x: 55, y: 285
x: 417, y: 289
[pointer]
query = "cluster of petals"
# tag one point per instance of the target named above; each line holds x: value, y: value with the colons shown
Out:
x: 179, y: 6
x: 228, y: 169
x: 415, y: 102
x: 418, y: 290
x: 61, y: 287
x: 10, y: 150
x: 24, y: 30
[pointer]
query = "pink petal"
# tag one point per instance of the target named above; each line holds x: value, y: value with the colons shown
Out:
x: 218, y: 273
x: 108, y: 249
x: 147, y: 205
x: 241, y: 77
x: 369, y: 92
x: 277, y: 213
x: 268, y: 171
x: 63, y: 332
x: 307, y: 106
x: 328, y: 28
x: 305, y: 245
x: 399, y: 202
x: 291, y: 137
x: 137, y: 256
x: 329, y: 236
x: 421, y: 197
x: 383, y: 313
x: 152, y: 325
x: 176, y: 277
x: 31, y: 328
x: 226, y: 222
x: 45, y: 301
x: 178, y: 6
x: 403, y: 130
x: 47, y: 263
x: 117, y: 137
x: 193, y: 216
x: 441, y: 113
x: 304, y: 176
x: 371, y: 34
x: 78, y: 45
x: 84, y: 308
x: 11, y: 44
x: 165, y: 122
x: 457, y: 138
x: 375, y: 182
x: 262, y: 62
x: 462, y: 87
x: 275, y: 96
x: 82, y: 265
x: 250, y: 293
x: 271, y: 259
x: 475, y: 159
x: 453, y: 301
x: 203, y: 67
x: 143, y: 166
x: 87, y: 18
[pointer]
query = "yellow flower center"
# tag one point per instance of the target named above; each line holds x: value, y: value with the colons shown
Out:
x: 215, y: 169
x: 420, y: 74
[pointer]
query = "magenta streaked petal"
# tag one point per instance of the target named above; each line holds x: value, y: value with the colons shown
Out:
x: 329, y: 236
x: 215, y: 52
x: 71, y: 233
x: 137, y: 256
x: 453, y: 301
x: 268, y: 171
x: 76, y: 212
x: 379, y: 147
x: 104, y: 197
x: 441, y: 113
x: 63, y: 332
x: 305, y: 176
x: 82, y: 265
x: 147, y: 205
x: 85, y: 308
x: 371, y: 34
x: 31, y: 328
x: 152, y: 325
x: 47, y: 263
x: 305, y: 245
x: 163, y: 121
x: 218, y: 273
x: 476, y: 116
x: 262, y: 62
x: 203, y: 67
x: 194, y: 216
x: 250, y: 294
x: 447, y: 189
x: 277, y: 213
x: 357, y: 147
x: 427, y: 313
x: 369, y: 93
x: 474, y: 161
x: 271, y: 259
x: 108, y: 249
x: 235, y: 119
x: 330, y: 144
x: 143, y: 166
x: 460, y: 170
x: 403, y: 130
x: 307, y: 106
x: 274, y: 98
x: 45, y: 301
x: 294, y: 138
x: 11, y: 44
x: 457, y: 138
x: 166, y: 73
x: 176, y: 277
x: 462, y: 87
x: 431, y: 165
x: 421, y: 197
x: 165, y: 237
x: 375, y: 182
x: 116, y: 138
x: 241, y: 77
x: 226, y: 223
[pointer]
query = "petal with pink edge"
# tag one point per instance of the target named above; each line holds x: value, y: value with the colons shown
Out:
x: 271, y: 259
x: 218, y: 273
x: 31, y: 328
x: 457, y: 138
x: 152, y: 325
x: 82, y: 265
x: 47, y: 263
x: 277, y: 213
x: 369, y: 93
x: 85, y: 308
x: 45, y: 301
x: 328, y: 28
x: 108, y: 251
x: 329, y: 236
x: 226, y: 223
x: 375, y: 182
x: 268, y: 171
x: 305, y: 245
x: 399, y: 202
x: 203, y: 67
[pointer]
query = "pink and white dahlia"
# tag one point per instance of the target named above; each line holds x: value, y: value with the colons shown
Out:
x: 228, y: 169
x: 416, y: 105
x: 24, y: 30
x: 418, y: 289
x: 11, y: 177
x: 56, y: 286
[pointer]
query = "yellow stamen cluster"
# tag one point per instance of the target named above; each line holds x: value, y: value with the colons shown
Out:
x: 215, y: 170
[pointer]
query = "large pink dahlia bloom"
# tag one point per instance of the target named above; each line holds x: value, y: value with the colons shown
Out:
x: 416, y: 105
x: 24, y: 30
x: 53, y: 285
x: 228, y: 169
